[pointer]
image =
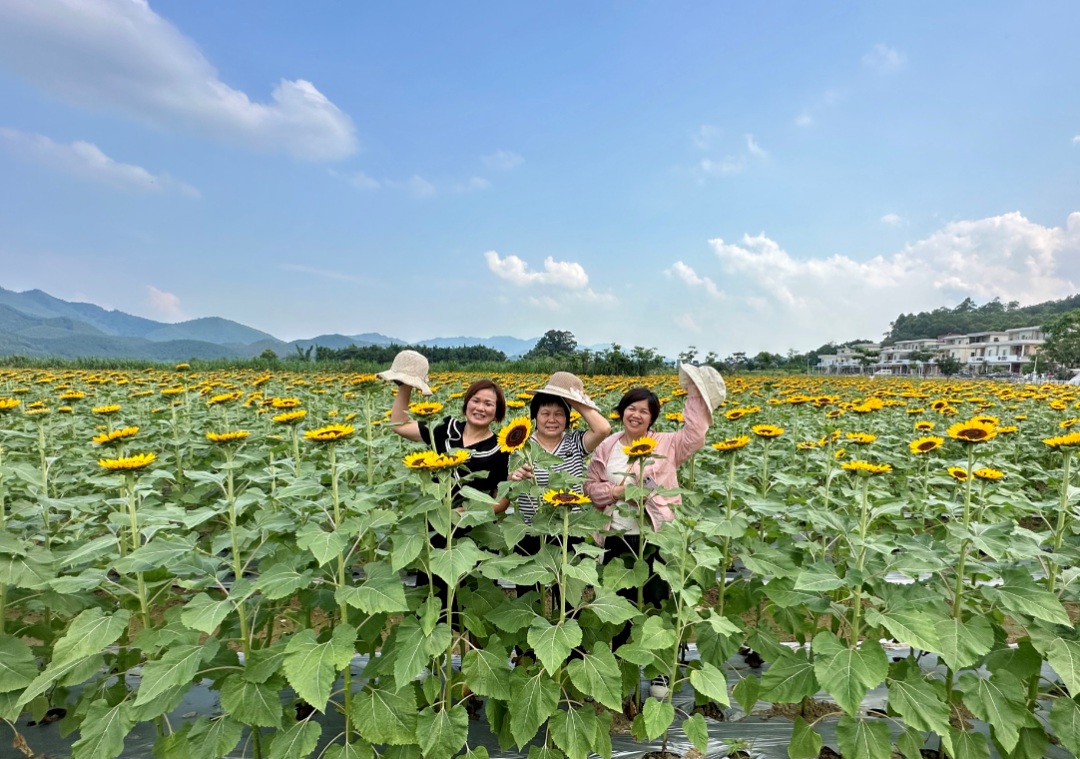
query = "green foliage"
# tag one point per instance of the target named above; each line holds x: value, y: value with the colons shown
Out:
x: 967, y: 317
x: 1062, y: 344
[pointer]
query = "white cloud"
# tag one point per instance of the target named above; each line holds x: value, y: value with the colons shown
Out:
x: 807, y: 301
x: 686, y: 321
x: 416, y: 186
x: 164, y: 304
x: 562, y: 273
x: 1076, y: 140
x: 504, y: 160
x: 884, y: 59
x: 804, y: 119
x: 362, y: 181
x: 119, y: 56
x: 728, y: 165
x: 87, y: 161
x: 475, y: 183
x: 690, y: 277
x: 754, y: 148
x: 705, y: 136
x: 892, y: 220
x: 325, y: 273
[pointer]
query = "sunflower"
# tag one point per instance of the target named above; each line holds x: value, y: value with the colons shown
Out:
x: 116, y: 436
x: 1066, y: 424
x: 989, y: 474
x: 515, y: 435
x: 916, y: 410
x: 105, y: 410
x: 839, y: 453
x: 675, y: 417
x: 987, y: 419
x: 73, y: 395
x: 835, y: 413
x: 731, y: 444
x: 285, y: 402
x: 865, y: 467
x: 924, y: 426
x: 958, y: 473
x: 182, y: 366
x: 290, y: 417
x: 514, y: 404
x: 643, y: 446
x: 808, y: 446
x: 738, y: 413
x: 767, y: 430
x: 364, y: 380
x: 330, y: 434
x: 565, y: 498
x: 973, y: 431
x: 7, y: 404
x: 173, y: 390
x: 925, y: 444
x: 861, y: 437
x: 1063, y: 441
x: 138, y: 461
x: 227, y: 437
x: 35, y: 411
x: 224, y: 398
x: 419, y: 460
x: 1007, y: 429
x: 425, y: 409
x: 446, y: 460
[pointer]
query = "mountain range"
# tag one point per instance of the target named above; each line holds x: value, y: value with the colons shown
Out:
x: 36, y: 324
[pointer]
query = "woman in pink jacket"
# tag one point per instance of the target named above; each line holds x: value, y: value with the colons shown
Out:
x: 610, y: 471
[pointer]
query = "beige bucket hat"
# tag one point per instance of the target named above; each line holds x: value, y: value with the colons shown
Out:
x: 409, y: 368
x: 568, y: 386
x: 707, y: 380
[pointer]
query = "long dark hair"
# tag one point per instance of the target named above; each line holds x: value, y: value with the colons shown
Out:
x: 640, y: 394
x: 486, y: 384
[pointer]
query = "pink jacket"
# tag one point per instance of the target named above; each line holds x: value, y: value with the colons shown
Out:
x: 675, y: 447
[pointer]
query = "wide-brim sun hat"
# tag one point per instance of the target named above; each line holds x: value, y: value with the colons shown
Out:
x: 409, y: 368
x: 708, y: 382
x: 568, y: 387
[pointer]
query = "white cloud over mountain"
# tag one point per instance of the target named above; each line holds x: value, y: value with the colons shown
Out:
x: 119, y: 56
x: 562, y: 273
x: 87, y: 161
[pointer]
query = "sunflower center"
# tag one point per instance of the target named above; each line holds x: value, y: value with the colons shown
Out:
x: 929, y: 445
x: 564, y: 498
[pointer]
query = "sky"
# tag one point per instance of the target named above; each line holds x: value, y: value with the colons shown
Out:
x: 737, y: 177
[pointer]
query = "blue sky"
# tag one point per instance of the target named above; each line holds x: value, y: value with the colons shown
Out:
x: 734, y: 177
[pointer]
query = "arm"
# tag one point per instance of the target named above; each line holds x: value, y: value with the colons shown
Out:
x: 599, y: 427
x: 691, y: 438
x: 600, y: 490
x: 399, y: 416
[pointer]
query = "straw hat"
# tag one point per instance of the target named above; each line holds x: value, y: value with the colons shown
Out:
x: 707, y: 380
x: 409, y: 368
x: 567, y: 386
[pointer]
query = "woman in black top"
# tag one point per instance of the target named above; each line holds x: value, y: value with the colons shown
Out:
x: 483, y: 405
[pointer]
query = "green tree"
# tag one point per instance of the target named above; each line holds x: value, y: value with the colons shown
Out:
x: 268, y: 355
x: 1062, y: 346
x: 554, y: 343
x: 949, y: 365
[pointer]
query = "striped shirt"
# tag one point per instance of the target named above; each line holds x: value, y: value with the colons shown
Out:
x: 571, y: 449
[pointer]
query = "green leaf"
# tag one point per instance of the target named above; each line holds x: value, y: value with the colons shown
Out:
x: 618, y: 576
x: 539, y: 752
x: 407, y: 546
x: 158, y: 552
x: 1032, y: 744
x: 178, y: 666
x: 324, y: 546
x: 214, y: 737
x: 967, y: 745
x: 487, y: 673
x: 356, y: 750
x: 512, y: 615
x: 746, y: 692
x: 915, y: 700
x: 611, y: 608
x: 572, y: 730
x: 654, y: 635
x: 311, y: 667
x: 1064, y: 657
x: 710, y: 682
x: 911, y: 741
x: 297, y: 742
x: 863, y: 739
x: 998, y: 701
x: 597, y: 675
x: 789, y: 679
x: 263, y: 663
x: 1019, y: 593
x: 251, y: 703
x: 908, y: 625
x: 698, y: 732
x: 455, y: 562
x: 383, y: 716
x: 553, y: 643
x: 846, y: 673
x: 410, y: 658
x: 658, y: 717
x: 381, y: 591
x: 532, y: 700
x: 204, y: 614
x: 18, y: 667
x: 89, y: 633
x: 1065, y: 719
x: 818, y: 578
x: 103, y: 730
x: 442, y: 734
x: 805, y: 742
x: 281, y: 580
x: 964, y: 643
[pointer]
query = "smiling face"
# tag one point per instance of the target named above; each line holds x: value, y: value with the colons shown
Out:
x: 551, y: 420
x: 482, y: 408
x: 636, y: 419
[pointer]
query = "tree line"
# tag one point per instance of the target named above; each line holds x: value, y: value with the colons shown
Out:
x: 966, y: 317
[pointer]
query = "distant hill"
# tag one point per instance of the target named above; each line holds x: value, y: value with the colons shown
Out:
x: 211, y: 329
x: 374, y: 338
x: 968, y: 317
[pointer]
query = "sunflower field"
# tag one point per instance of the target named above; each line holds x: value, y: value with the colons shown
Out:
x: 199, y: 565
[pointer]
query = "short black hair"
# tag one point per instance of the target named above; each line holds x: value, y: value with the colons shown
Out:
x: 544, y: 399
x: 640, y: 394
